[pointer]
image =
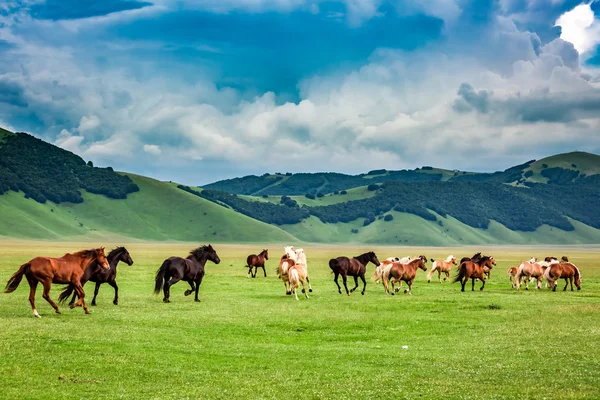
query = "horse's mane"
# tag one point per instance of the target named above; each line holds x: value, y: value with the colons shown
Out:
x: 116, y: 251
x: 197, y: 253
x: 449, y: 258
x: 83, y: 253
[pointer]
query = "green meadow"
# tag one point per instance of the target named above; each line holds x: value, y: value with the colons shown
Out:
x: 247, y: 339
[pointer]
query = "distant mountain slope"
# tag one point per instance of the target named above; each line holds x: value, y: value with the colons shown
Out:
x: 158, y: 211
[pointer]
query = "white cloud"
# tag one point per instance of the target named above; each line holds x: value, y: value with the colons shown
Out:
x: 152, y: 149
x: 88, y: 123
x: 580, y: 27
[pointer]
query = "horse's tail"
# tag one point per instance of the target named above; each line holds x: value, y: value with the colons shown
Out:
x: 461, y: 271
x: 377, y: 274
x: 160, y: 276
x: 65, y: 294
x: 248, y: 261
x: 577, y: 277
x: 333, y: 264
x: 294, y: 278
x: 15, y: 280
x: 431, y: 271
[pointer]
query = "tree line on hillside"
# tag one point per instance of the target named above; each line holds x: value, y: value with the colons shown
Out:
x: 45, y: 172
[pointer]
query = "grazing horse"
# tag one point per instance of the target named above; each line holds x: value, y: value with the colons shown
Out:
x: 381, y: 270
x: 99, y: 276
x: 257, y: 261
x: 566, y: 271
x: 470, y: 269
x: 512, y: 273
x: 442, y: 266
x: 404, y: 272
x: 66, y: 269
x: 299, y: 258
x: 189, y: 269
x: 297, y: 273
x: 530, y: 269
x: 355, y: 267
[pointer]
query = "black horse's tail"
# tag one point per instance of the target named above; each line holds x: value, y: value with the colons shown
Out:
x: 15, y: 280
x: 160, y: 276
x: 334, y: 264
x: 65, y: 294
x: 461, y: 273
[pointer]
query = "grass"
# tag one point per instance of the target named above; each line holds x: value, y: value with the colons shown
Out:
x: 586, y: 163
x: 246, y: 339
x: 358, y: 193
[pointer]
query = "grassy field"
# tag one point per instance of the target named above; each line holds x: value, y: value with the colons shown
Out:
x: 246, y: 339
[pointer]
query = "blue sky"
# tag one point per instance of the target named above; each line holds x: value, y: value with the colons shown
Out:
x: 198, y: 90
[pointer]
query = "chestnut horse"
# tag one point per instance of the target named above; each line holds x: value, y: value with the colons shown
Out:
x: 441, y: 266
x: 470, y: 269
x: 381, y: 270
x: 355, y: 267
x: 566, y: 271
x: 404, y: 272
x: 257, y: 261
x: 66, y: 269
x: 189, y: 269
x: 99, y: 276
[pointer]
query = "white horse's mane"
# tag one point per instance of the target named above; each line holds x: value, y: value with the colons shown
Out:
x: 450, y: 258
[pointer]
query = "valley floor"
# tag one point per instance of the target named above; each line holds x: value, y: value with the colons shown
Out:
x: 247, y: 339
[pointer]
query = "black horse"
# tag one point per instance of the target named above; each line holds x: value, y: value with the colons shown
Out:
x: 190, y: 269
x: 100, y: 275
x: 355, y: 267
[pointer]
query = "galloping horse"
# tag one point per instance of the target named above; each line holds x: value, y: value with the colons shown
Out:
x: 355, y: 267
x: 66, y: 269
x: 441, y: 266
x: 530, y: 269
x: 299, y: 258
x: 382, y: 270
x: 189, y: 269
x: 512, y: 273
x: 296, y: 274
x: 257, y: 261
x: 404, y: 272
x: 282, y: 272
x: 566, y: 271
x: 469, y: 269
x: 98, y: 275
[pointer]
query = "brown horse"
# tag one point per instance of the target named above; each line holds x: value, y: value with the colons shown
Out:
x: 66, y: 269
x: 470, y: 269
x: 257, y: 261
x: 355, y: 267
x: 404, y: 272
x: 441, y: 266
x: 566, y: 271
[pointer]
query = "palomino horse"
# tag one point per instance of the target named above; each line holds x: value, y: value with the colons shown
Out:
x: 470, y: 269
x: 299, y: 258
x: 381, y: 269
x: 99, y: 276
x: 441, y: 266
x: 189, y: 269
x: 512, y: 273
x: 566, y: 271
x: 355, y: 267
x: 282, y: 271
x: 530, y: 270
x: 66, y: 269
x: 257, y: 261
x: 296, y: 274
x: 404, y: 272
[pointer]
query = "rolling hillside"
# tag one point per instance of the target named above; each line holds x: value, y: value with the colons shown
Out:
x: 50, y: 193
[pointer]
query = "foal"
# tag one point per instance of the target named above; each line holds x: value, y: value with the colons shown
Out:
x: 257, y: 261
x: 406, y: 273
x: 442, y: 266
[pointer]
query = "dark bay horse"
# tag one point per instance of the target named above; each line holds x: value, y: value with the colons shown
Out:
x: 257, y: 261
x: 189, y: 269
x: 99, y: 275
x: 355, y: 267
x: 66, y: 269
x: 470, y: 269
x: 404, y: 272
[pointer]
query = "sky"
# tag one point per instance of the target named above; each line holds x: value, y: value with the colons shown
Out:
x: 195, y: 91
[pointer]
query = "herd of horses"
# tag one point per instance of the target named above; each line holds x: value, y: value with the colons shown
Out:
x: 76, y: 269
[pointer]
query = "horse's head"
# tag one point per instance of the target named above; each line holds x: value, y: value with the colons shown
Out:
x: 533, y: 260
x: 101, y: 258
x: 564, y: 259
x: 488, y: 262
x: 211, y: 254
x: 265, y: 252
x: 373, y: 258
x: 549, y: 259
x: 451, y: 259
x: 290, y: 251
x: 422, y: 262
x: 124, y: 256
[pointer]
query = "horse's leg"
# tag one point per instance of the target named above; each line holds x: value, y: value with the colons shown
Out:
x: 73, y: 298
x: 46, y: 295
x: 190, y: 291
x: 198, y: 282
x: 114, y: 285
x: 566, y: 284
x: 409, y: 283
x: 81, y: 295
x: 463, y: 282
x: 447, y: 278
x: 539, y: 283
x: 355, y: 284
x: 304, y: 288
x: 335, y: 279
x: 255, y: 271
x: 308, y: 281
x: 32, y: 288
x: 167, y: 288
x: 362, y: 276
x: 440, y: 275
x: 96, y: 289
x: 249, y: 271
x: 482, y: 283
x: 344, y: 277
x: 264, y: 270
x: 472, y: 284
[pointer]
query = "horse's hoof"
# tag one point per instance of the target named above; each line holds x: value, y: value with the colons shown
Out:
x: 93, y: 304
x: 37, y: 315
x: 58, y: 311
x: 363, y: 293
x: 288, y: 294
x: 428, y: 281
x: 405, y: 290
x: 303, y: 290
x: 71, y: 306
x: 339, y: 291
x: 187, y: 292
x: 87, y: 312
x: 197, y: 300
x: 526, y: 288
x: 166, y: 301
x: 116, y: 302
x: 310, y: 290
